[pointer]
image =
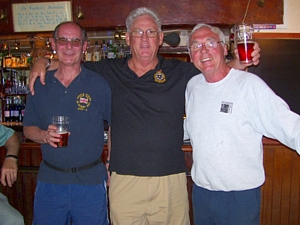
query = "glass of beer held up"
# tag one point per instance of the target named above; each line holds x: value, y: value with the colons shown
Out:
x: 244, y: 40
x: 62, y: 124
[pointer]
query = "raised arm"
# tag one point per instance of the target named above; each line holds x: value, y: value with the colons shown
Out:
x: 39, y: 70
x: 10, y: 165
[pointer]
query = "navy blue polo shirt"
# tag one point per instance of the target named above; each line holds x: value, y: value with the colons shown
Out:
x: 87, y: 102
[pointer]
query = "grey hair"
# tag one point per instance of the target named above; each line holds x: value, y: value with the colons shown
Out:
x: 141, y: 12
x: 83, y: 32
x: 214, y: 29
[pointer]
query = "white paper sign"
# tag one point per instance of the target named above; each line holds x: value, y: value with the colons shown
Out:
x: 40, y: 16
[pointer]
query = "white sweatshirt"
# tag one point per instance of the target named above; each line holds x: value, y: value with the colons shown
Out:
x: 225, y: 122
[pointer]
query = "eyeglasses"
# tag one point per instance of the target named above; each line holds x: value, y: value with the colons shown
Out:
x: 149, y: 33
x: 76, y: 42
x: 209, y: 44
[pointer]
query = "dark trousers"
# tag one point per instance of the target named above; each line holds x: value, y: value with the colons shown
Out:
x: 226, y: 208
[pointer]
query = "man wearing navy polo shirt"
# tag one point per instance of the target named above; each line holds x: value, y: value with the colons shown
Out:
x: 72, y: 180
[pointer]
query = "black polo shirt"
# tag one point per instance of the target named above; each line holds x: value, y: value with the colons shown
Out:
x: 147, y: 116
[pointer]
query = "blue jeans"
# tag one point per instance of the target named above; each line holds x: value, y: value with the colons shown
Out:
x: 226, y: 208
x: 70, y: 204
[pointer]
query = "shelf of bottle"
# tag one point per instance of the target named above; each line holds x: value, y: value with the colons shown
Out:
x: 15, y: 68
x: 12, y: 95
x: 12, y: 124
x: 4, y: 96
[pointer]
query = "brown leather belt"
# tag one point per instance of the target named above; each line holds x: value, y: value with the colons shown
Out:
x: 74, y: 169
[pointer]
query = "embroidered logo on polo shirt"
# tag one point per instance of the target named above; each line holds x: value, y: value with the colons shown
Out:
x: 83, y: 101
x: 226, y: 107
x: 159, y: 77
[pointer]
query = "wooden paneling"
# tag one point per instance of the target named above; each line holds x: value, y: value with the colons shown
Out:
x: 21, y: 194
x: 281, y: 191
x: 100, y: 14
x: 6, y: 24
x: 184, y: 14
x: 189, y: 161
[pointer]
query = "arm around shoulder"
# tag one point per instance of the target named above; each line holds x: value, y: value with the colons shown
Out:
x: 39, y: 70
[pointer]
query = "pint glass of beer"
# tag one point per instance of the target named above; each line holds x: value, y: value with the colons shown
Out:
x: 244, y: 40
x: 62, y: 124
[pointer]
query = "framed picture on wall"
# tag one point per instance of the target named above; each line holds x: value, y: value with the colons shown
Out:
x: 41, y: 16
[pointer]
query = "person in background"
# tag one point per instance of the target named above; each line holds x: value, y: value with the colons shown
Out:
x: 71, y: 183
x: 9, y: 139
x: 148, y: 180
x: 227, y: 113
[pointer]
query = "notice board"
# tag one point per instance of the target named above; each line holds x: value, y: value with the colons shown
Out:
x: 40, y: 16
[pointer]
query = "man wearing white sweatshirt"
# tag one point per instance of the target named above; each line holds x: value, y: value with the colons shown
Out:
x: 227, y: 113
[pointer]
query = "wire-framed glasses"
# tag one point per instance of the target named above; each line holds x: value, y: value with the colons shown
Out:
x: 149, y: 33
x: 209, y: 44
x: 76, y: 42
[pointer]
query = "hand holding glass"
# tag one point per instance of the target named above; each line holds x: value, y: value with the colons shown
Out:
x: 244, y: 40
x: 62, y: 124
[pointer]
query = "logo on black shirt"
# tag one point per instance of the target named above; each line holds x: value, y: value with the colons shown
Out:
x: 160, y: 77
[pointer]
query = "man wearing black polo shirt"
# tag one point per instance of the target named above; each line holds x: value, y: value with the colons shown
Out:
x: 148, y: 181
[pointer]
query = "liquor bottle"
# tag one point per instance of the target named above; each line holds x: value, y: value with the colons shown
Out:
x: 88, y: 53
x: 114, y: 49
x: 6, y: 111
x: 2, y: 81
x: 16, y: 110
x: 110, y: 54
x: 11, y: 109
x: 8, y: 85
x: 122, y: 54
x: 23, y: 109
x: 104, y: 50
x: 120, y: 51
x: 14, y: 83
x: 5, y: 50
x: 20, y: 110
x: 96, y: 53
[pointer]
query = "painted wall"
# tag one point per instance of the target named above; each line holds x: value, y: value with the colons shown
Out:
x: 291, y: 18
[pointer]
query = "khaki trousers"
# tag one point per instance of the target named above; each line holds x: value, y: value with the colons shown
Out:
x: 136, y: 200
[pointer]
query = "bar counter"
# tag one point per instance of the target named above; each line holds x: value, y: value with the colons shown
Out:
x: 280, y: 193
